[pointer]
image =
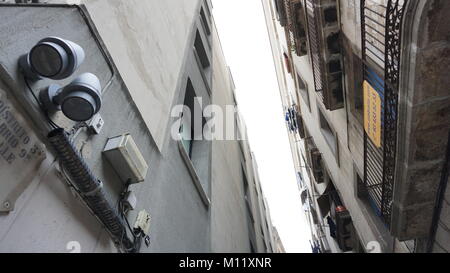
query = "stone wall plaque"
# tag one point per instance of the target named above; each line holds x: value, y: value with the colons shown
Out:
x: 21, y: 153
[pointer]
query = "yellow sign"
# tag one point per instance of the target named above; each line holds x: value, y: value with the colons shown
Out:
x: 372, y: 114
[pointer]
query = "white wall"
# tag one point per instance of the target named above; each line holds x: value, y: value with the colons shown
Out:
x: 148, y: 41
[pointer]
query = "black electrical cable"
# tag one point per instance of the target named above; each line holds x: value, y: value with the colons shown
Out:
x: 137, y: 234
x: 132, y: 249
x: 119, y: 208
x: 92, y: 193
x: 50, y: 121
x: 66, y: 176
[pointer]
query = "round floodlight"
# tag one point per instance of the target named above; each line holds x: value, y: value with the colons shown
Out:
x: 79, y: 106
x: 52, y: 58
x: 48, y: 59
x: 79, y: 101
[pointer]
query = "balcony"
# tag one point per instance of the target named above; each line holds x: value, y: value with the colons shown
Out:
x: 380, y: 31
x: 281, y: 12
x: 291, y: 14
x: 297, y: 26
x: 323, y: 21
x: 314, y: 160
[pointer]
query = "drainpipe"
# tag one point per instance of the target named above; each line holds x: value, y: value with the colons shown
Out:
x: 90, y: 188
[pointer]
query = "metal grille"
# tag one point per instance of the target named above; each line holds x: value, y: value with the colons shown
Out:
x: 290, y: 24
x: 315, y: 45
x: 292, y: 9
x: 281, y: 11
x: 381, y: 40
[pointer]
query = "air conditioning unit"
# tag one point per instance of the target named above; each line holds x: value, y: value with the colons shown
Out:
x: 125, y: 157
x: 300, y: 28
x: 317, y: 167
x: 301, y: 129
x: 344, y: 230
x: 325, y: 41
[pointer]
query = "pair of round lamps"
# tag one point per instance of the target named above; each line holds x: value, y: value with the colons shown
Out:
x: 55, y: 58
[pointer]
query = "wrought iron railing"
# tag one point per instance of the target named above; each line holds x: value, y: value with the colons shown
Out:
x: 290, y: 25
x: 296, y: 37
x: 324, y: 31
x: 281, y: 12
x: 381, y: 26
x: 315, y: 45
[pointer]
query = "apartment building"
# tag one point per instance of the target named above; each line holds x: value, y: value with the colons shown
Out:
x: 364, y: 87
x: 105, y: 174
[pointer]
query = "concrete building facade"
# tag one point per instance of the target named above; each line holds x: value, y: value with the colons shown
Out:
x: 363, y: 86
x: 279, y: 247
x: 149, y: 56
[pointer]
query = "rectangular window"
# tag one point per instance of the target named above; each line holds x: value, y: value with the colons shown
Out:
x: 203, y: 59
x: 358, y: 102
x: 361, y: 190
x: 205, y: 22
x: 201, y: 51
x: 328, y: 133
x: 303, y: 88
x: 186, y: 133
x: 197, y: 150
x: 207, y: 8
x: 354, y: 80
x: 187, y: 121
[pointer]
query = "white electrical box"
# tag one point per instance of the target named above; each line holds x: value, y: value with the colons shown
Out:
x: 143, y: 222
x: 96, y: 124
x: 126, y: 159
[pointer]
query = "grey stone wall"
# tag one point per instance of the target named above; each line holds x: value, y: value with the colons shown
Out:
x: 424, y: 120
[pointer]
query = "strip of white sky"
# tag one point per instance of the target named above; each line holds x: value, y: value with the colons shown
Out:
x: 245, y: 41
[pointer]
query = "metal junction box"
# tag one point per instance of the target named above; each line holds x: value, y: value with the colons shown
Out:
x: 126, y: 159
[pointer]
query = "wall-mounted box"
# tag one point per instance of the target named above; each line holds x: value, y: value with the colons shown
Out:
x: 125, y: 157
x: 143, y: 222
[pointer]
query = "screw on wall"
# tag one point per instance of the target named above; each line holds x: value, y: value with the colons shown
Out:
x: 7, y: 205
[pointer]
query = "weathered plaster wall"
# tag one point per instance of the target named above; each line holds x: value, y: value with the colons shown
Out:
x: 229, y: 233
x: 148, y: 41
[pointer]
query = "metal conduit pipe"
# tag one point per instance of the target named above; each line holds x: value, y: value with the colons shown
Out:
x: 90, y: 188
